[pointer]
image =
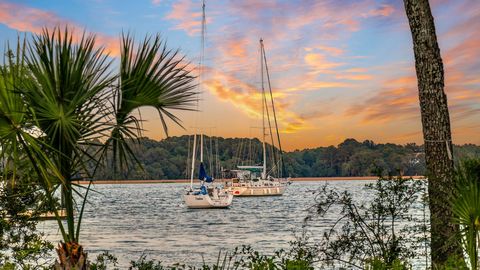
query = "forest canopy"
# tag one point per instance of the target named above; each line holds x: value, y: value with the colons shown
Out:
x: 168, y: 158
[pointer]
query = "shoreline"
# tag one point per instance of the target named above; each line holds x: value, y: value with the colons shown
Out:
x: 298, y: 179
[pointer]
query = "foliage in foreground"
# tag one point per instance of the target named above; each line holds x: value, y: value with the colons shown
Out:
x: 466, y: 209
x: 245, y: 257
x: 62, y: 86
x: 21, y: 245
x: 379, y: 233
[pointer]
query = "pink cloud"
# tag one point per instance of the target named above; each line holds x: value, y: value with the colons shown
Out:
x: 334, y: 51
x: 398, y: 100
x: 303, y: 56
x: 382, y: 11
x: 187, y: 16
x: 26, y: 19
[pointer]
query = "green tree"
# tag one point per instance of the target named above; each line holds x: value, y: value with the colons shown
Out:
x: 67, y: 92
x: 380, y: 231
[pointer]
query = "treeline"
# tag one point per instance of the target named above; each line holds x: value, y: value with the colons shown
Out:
x: 170, y: 158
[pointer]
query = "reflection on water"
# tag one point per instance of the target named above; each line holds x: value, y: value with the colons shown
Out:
x: 134, y: 219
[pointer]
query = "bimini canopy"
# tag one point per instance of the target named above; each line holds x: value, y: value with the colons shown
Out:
x: 251, y: 168
x: 202, y: 175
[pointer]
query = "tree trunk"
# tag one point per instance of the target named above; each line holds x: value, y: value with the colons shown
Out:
x: 436, y: 131
x: 71, y: 257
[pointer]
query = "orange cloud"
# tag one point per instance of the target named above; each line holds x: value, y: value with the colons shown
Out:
x: 317, y: 85
x: 242, y: 95
x: 319, y: 63
x: 237, y: 48
x: 402, y: 81
x: 301, y: 122
x: 26, y: 19
x: 356, y: 70
x: 397, y: 101
x: 354, y: 77
x: 334, y: 51
x: 248, y: 99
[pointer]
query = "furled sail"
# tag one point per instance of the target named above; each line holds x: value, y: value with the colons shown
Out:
x: 202, y: 175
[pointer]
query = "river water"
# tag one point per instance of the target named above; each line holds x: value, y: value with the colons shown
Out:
x: 134, y: 219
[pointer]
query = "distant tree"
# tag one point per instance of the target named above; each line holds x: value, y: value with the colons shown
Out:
x: 167, y: 159
x: 436, y: 129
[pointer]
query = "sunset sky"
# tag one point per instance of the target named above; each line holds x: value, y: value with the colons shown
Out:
x: 339, y: 69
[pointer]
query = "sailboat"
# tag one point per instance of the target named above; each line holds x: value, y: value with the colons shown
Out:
x: 254, y: 180
x: 206, y: 195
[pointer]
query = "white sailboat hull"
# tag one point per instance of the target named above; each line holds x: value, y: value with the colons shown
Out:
x: 257, y: 191
x: 257, y: 188
x: 202, y: 201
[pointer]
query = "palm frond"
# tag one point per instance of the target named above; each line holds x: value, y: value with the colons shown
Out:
x: 151, y: 75
x: 18, y: 140
x: 65, y: 96
x: 466, y: 208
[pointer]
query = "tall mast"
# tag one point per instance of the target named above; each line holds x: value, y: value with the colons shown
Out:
x: 193, y: 160
x: 264, y: 173
x: 282, y: 167
x: 201, y: 147
x: 201, y: 68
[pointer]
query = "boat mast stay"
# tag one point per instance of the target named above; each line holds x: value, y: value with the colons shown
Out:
x: 264, y: 100
x: 281, y: 165
x: 264, y: 172
x: 193, y: 160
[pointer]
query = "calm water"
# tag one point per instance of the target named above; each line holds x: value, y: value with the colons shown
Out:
x: 135, y: 219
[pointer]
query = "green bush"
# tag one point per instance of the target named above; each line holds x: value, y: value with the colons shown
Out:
x: 382, y: 227
x: 380, y: 264
x: 21, y: 245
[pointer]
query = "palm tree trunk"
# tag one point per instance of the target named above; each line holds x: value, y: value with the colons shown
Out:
x: 71, y: 257
x: 436, y: 130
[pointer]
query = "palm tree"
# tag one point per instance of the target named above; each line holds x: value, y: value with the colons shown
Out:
x: 436, y: 131
x: 68, y: 92
x: 466, y: 207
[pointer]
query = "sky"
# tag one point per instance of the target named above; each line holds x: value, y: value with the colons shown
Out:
x: 339, y: 69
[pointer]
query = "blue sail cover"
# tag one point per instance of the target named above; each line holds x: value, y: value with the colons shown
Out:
x: 202, y: 175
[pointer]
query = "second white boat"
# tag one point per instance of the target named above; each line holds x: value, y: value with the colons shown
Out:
x: 256, y: 180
